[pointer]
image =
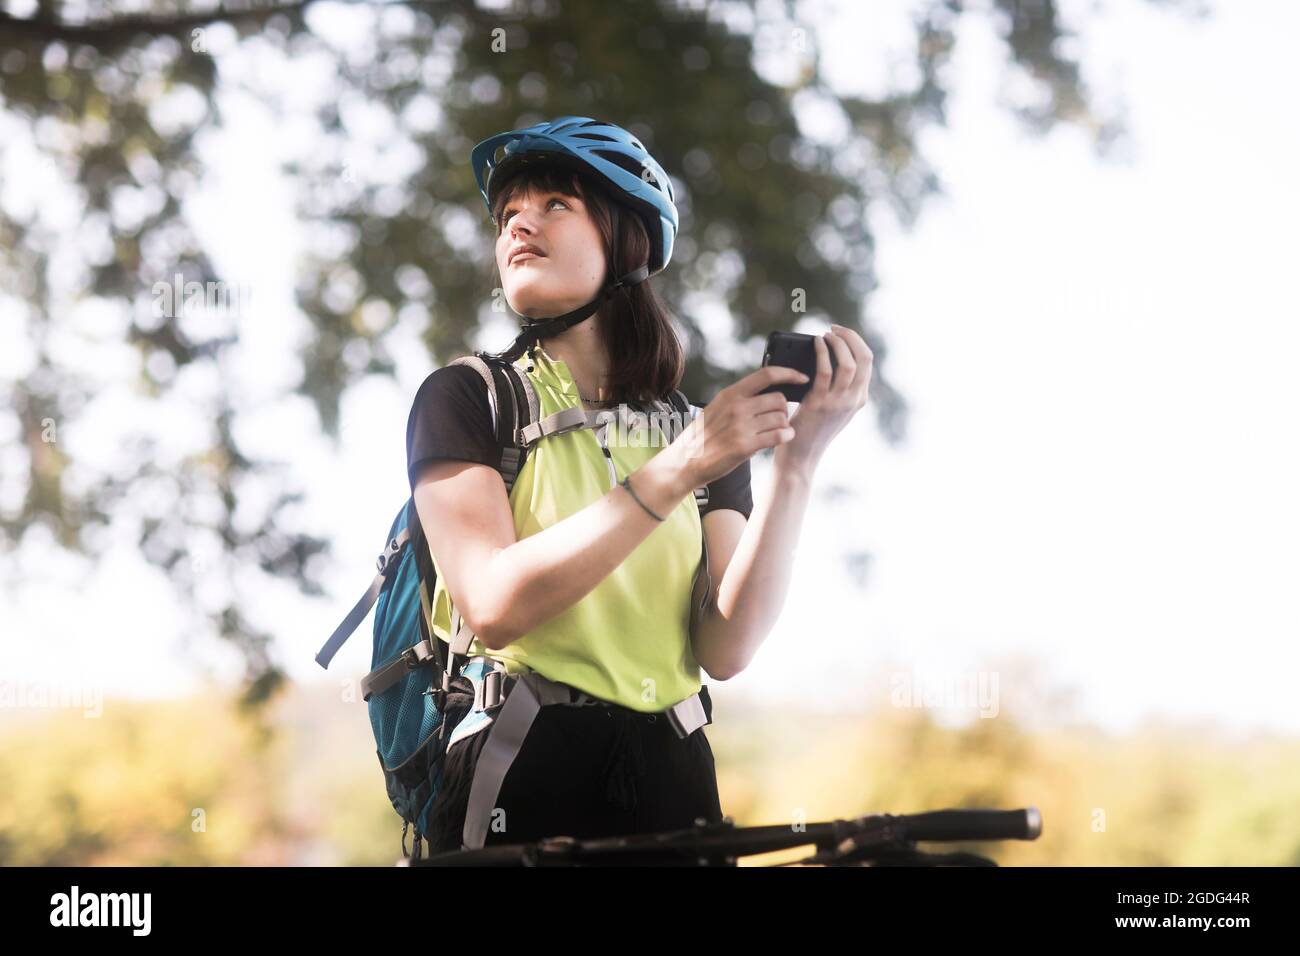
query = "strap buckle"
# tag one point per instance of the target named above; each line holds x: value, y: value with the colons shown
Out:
x: 490, y: 691
x: 687, y: 716
x: 416, y: 655
x: 381, y: 679
x: 390, y: 552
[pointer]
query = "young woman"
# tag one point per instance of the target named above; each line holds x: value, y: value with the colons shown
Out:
x: 582, y: 576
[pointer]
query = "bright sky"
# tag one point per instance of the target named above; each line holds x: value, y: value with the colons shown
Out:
x: 1102, y: 458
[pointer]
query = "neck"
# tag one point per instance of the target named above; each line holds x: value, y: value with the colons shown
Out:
x: 582, y: 349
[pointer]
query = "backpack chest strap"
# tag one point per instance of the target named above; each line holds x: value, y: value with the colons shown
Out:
x: 565, y: 420
x: 660, y: 415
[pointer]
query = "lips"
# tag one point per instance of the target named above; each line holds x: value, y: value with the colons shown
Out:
x: 526, y: 252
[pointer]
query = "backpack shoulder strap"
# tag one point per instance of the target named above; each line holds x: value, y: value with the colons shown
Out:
x: 514, y: 406
x: 702, y: 587
x: 684, y: 412
x: 387, y: 561
x: 515, y: 409
x: 512, y: 401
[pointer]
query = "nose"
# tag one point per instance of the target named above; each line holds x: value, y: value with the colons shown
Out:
x: 521, y: 221
x: 516, y: 233
x: 519, y: 226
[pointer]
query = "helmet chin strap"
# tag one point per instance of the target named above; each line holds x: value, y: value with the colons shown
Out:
x: 537, y: 329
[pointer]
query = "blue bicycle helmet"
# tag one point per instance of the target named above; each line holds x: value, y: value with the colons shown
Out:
x: 588, y: 146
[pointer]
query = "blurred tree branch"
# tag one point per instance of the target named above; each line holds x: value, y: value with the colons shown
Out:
x: 396, y: 238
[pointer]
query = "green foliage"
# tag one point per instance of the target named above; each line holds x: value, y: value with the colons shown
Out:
x: 115, y: 105
x: 1178, y: 796
x: 123, y: 788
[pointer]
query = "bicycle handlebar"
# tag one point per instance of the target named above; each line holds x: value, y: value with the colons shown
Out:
x: 949, y: 825
x: 877, y: 838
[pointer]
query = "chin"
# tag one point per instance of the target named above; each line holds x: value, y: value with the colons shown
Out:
x: 532, y: 299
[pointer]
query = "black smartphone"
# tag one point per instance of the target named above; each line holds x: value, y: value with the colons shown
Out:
x: 794, y: 350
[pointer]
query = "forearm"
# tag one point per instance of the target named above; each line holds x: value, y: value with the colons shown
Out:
x: 546, y: 573
x: 753, y: 591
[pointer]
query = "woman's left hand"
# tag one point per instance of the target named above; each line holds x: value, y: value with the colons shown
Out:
x: 828, y: 406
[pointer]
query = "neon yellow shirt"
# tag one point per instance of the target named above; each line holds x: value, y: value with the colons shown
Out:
x: 628, y: 640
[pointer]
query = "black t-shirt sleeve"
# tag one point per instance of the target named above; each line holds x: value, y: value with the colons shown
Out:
x: 731, y: 491
x: 450, y: 418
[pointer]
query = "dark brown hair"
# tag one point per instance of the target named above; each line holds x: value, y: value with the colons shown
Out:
x: 646, y: 357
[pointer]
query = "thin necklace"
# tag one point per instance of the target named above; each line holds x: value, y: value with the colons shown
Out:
x: 594, y: 401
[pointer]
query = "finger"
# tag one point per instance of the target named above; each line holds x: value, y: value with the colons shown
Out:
x: 775, y: 436
x: 822, y: 383
x: 770, y: 420
x: 755, y: 382
x: 862, y: 354
x: 846, y: 368
x: 857, y: 345
x: 773, y: 401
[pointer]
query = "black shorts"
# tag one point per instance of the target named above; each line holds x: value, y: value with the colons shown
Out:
x: 589, y: 771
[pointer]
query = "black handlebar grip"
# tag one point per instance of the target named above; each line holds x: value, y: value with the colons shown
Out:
x: 1026, y: 824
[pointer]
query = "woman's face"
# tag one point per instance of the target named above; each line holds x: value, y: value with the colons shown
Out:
x: 571, y: 267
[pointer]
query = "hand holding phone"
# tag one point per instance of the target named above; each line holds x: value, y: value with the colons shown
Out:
x: 793, y: 350
x: 740, y: 420
x: 837, y: 390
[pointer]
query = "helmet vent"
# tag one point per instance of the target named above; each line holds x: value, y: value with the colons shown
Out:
x: 630, y: 164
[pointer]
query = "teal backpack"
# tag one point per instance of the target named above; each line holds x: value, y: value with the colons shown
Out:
x: 419, y: 689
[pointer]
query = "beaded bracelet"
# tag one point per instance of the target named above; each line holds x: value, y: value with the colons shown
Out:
x: 627, y: 483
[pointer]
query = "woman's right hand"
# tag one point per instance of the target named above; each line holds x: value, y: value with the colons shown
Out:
x: 737, y: 423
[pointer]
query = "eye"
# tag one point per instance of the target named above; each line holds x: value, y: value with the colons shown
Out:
x: 509, y: 210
